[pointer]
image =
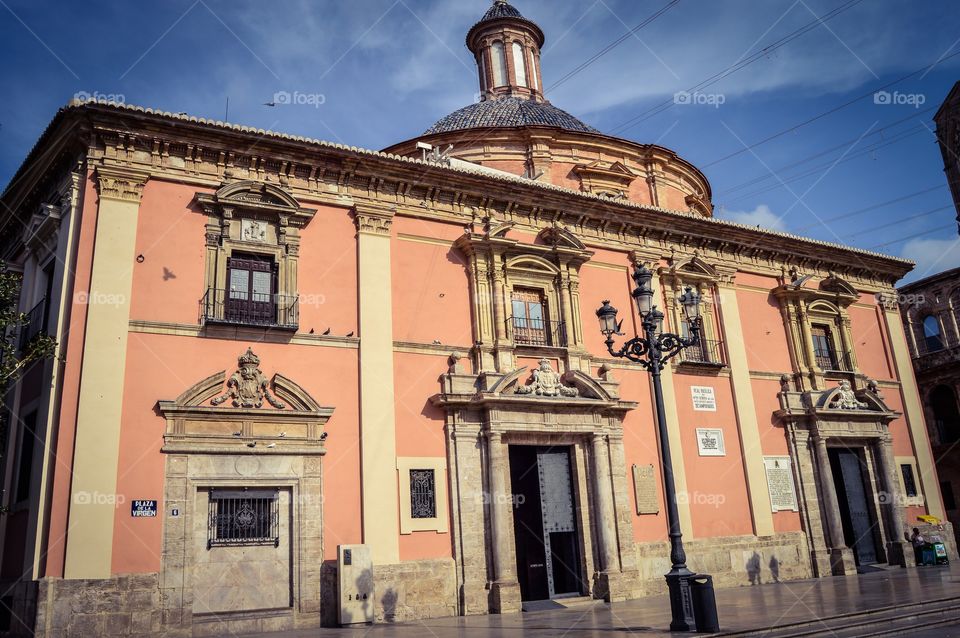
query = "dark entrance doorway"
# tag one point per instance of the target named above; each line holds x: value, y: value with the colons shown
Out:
x: 859, y: 524
x: 544, y: 521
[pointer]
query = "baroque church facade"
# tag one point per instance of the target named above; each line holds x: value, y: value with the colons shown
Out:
x: 280, y: 357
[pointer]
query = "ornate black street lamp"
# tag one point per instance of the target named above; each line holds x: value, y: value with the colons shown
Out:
x: 652, y: 351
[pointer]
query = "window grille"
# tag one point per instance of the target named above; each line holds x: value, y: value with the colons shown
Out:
x: 423, y: 494
x: 243, y: 517
x: 909, y: 483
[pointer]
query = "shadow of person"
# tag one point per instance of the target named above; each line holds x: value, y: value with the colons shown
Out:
x: 753, y: 569
x: 775, y: 569
x: 389, y: 602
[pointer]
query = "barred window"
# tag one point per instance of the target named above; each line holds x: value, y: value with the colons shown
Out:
x: 423, y: 494
x: 909, y: 482
x: 243, y: 517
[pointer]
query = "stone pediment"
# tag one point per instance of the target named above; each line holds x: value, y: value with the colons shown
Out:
x: 601, y: 177
x: 840, y: 404
x: 256, y: 196
x: 246, y: 412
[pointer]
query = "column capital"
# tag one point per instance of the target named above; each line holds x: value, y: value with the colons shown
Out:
x: 124, y: 184
x: 373, y: 220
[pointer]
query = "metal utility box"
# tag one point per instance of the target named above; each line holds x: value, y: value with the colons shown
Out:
x: 355, y: 584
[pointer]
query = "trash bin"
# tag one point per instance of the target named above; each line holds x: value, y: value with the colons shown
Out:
x: 704, y: 603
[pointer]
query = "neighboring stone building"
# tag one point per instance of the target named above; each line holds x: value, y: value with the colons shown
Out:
x: 930, y: 309
x: 947, y: 120
x: 279, y: 346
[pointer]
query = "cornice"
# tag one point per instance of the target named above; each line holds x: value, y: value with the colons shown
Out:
x: 179, y: 147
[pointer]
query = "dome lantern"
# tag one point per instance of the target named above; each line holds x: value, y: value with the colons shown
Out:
x: 506, y: 47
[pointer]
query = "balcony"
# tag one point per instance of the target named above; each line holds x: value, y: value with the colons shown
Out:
x: 279, y: 310
x: 537, y: 332
x: 33, y: 325
x: 834, y: 361
x: 928, y: 358
x: 706, y: 353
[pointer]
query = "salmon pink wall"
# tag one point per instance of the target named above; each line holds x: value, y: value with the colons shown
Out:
x: 66, y: 432
x: 420, y: 432
x: 641, y: 447
x: 869, y: 342
x: 716, y: 485
x: 431, y: 292
x: 596, y: 284
x: 773, y: 442
x: 163, y: 366
x: 763, y: 333
x: 327, y: 272
x: 168, y: 284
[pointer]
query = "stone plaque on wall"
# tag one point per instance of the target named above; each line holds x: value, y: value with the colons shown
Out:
x: 704, y: 400
x: 645, y: 488
x: 710, y: 442
x: 783, y: 493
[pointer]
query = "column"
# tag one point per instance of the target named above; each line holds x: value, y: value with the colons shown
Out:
x: 748, y: 428
x: 378, y: 441
x: 897, y: 554
x: 603, y: 493
x: 912, y: 409
x: 97, y: 445
x: 505, y: 588
x: 841, y: 557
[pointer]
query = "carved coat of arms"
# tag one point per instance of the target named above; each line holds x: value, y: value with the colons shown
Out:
x: 547, y: 383
x: 248, y: 386
x: 846, y: 399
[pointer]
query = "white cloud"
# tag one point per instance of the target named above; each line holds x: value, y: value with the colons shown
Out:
x: 760, y: 216
x: 932, y: 256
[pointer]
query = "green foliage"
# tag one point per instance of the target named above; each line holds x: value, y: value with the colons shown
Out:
x: 13, y: 361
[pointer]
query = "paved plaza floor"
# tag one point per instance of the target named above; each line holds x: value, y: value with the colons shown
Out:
x: 743, y: 608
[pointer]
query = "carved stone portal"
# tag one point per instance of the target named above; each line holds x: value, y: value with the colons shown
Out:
x: 547, y: 383
x: 248, y: 387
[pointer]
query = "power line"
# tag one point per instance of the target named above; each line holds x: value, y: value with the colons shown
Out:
x: 872, y: 207
x: 827, y: 112
x: 737, y: 66
x: 872, y: 148
x: 900, y: 220
x: 599, y: 54
x: 915, y: 235
x: 774, y: 172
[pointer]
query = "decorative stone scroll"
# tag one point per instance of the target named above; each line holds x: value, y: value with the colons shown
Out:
x: 845, y: 399
x: 547, y: 383
x: 248, y: 387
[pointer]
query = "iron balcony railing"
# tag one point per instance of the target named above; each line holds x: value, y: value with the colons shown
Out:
x: 834, y: 361
x: 34, y: 324
x: 270, y: 311
x: 537, y: 332
x: 707, y: 352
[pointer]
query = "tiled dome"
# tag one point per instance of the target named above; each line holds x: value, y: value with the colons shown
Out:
x: 508, y: 112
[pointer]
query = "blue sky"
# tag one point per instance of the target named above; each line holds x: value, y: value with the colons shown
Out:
x: 373, y: 72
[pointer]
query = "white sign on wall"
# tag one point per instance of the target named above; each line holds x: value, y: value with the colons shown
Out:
x: 783, y: 493
x: 710, y: 442
x: 704, y: 399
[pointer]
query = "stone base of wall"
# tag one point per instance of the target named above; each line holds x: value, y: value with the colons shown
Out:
x: 411, y: 590
x: 733, y: 561
x: 126, y: 605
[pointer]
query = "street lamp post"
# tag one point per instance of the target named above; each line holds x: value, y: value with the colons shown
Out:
x: 652, y: 351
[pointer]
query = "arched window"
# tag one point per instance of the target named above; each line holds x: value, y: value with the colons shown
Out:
x: 931, y: 334
x: 946, y: 416
x: 534, y: 80
x: 499, y: 64
x: 519, y: 64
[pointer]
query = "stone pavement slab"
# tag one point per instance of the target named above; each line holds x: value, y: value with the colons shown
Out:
x: 756, y: 607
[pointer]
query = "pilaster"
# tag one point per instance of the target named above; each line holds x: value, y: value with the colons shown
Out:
x: 97, y: 445
x: 751, y: 449
x: 378, y: 444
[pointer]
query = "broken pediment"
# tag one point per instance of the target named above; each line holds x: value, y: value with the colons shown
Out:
x: 247, y: 412
x: 605, y: 178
